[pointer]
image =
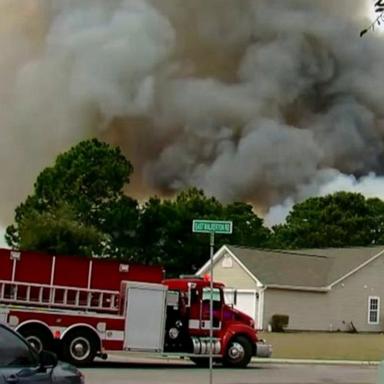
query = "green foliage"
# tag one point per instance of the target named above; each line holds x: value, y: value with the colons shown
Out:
x: 119, y: 220
x: 248, y: 229
x: 88, y: 176
x: 59, y: 232
x: 165, y: 230
x: 78, y: 207
x: 78, y: 204
x: 338, y: 220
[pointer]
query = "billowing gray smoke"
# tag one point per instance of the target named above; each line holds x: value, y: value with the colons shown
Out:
x: 262, y: 101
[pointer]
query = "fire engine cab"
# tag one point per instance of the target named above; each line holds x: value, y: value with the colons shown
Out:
x: 82, y: 307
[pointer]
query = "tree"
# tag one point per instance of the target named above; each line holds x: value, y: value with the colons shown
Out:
x: 59, y: 232
x: 78, y: 207
x: 120, y: 221
x: 187, y: 251
x: 338, y: 220
x: 165, y: 230
x: 248, y: 229
x: 376, y: 211
x: 74, y: 202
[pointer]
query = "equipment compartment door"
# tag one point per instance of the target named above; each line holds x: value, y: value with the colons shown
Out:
x: 3, y: 315
x: 145, y: 317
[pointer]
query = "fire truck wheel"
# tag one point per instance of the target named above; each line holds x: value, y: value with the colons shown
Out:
x: 238, y: 353
x: 38, y: 337
x: 79, y: 347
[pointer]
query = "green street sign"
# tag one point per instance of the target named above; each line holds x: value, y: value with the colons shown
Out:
x: 212, y: 226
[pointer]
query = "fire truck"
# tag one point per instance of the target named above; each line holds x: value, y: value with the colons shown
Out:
x: 82, y: 307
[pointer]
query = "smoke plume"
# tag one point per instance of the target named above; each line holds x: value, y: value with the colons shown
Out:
x: 265, y: 101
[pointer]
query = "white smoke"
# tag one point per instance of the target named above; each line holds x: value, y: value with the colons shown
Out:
x: 327, y: 182
x: 252, y: 100
x: 278, y: 213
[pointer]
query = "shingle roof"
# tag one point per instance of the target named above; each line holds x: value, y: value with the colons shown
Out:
x: 316, y: 268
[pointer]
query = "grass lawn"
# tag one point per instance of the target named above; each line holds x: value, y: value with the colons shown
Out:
x: 326, y: 346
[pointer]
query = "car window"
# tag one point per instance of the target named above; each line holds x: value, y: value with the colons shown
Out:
x: 14, y: 352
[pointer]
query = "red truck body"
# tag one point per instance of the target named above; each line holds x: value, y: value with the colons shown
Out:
x: 82, y: 307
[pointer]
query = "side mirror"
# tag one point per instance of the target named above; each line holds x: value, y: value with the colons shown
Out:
x: 190, y: 287
x: 47, y: 359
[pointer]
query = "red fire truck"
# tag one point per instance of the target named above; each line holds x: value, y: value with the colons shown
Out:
x: 83, y: 307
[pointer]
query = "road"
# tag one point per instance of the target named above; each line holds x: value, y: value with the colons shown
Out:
x: 151, y: 372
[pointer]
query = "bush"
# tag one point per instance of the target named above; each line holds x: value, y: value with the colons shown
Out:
x: 279, y: 323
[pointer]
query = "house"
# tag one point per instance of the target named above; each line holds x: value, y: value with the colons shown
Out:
x: 333, y: 289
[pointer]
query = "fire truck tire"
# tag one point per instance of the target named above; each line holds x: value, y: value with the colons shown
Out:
x: 79, y: 347
x: 38, y: 336
x: 238, y: 353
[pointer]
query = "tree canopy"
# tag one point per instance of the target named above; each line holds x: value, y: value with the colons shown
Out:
x: 165, y: 229
x: 338, y: 220
x: 78, y: 206
x: 71, y: 207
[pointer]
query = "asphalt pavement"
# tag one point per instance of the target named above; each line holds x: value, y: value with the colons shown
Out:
x: 133, y: 370
x: 266, y: 374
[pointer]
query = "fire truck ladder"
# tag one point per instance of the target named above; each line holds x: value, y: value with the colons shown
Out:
x: 59, y: 296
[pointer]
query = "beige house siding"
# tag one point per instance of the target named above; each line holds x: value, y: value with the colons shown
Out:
x: 345, y: 303
x: 306, y: 310
x: 349, y: 298
x: 233, y: 277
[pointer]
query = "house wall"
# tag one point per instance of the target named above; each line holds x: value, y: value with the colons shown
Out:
x: 306, y: 310
x: 349, y: 298
x: 234, y: 276
x: 346, y: 302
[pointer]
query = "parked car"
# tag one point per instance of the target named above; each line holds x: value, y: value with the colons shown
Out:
x: 21, y: 364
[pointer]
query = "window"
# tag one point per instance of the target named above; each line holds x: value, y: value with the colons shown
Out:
x: 215, y: 294
x: 373, y: 310
x: 14, y: 352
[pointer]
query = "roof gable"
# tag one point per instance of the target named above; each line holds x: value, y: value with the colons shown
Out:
x: 218, y: 255
x: 317, y: 269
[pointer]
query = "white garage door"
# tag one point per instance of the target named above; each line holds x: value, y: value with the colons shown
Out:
x: 245, y: 301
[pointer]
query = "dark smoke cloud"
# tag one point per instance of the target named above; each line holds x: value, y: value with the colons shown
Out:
x: 262, y: 101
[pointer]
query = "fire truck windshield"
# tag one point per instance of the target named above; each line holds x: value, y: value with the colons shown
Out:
x: 215, y: 294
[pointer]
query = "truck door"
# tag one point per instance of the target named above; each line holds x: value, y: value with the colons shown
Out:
x: 217, y: 298
x: 145, y: 317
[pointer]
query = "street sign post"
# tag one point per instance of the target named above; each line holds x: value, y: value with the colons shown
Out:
x: 211, y: 227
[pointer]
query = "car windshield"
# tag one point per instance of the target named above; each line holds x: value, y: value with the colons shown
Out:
x: 14, y: 352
